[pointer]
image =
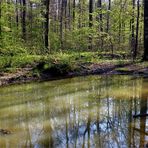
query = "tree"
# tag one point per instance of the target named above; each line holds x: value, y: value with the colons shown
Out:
x: 100, y: 20
x: 73, y: 24
x: 133, y: 28
x: 74, y: 6
x: 0, y: 20
x: 108, y: 16
x: 17, y: 16
x: 46, y: 24
x: 24, y: 19
x: 90, y: 21
x: 61, y: 22
x: 137, y: 30
x: 90, y: 13
x: 145, y: 57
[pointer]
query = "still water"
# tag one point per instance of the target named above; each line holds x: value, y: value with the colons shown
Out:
x: 91, y: 112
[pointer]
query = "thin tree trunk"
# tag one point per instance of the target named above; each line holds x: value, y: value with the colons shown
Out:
x: 100, y: 20
x: 61, y: 23
x: 17, y: 17
x: 31, y: 16
x: 30, y: 22
x: 24, y: 20
x: 83, y: 11
x: 69, y: 14
x: 74, y: 9
x: 79, y: 26
x: 90, y: 13
x: 120, y: 26
x: 133, y: 28
x: 46, y: 24
x: 0, y: 19
x: 90, y: 22
x: 137, y: 30
x: 65, y: 14
x: 100, y: 15
x: 108, y: 16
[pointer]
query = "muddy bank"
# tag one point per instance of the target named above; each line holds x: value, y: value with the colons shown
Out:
x: 25, y: 75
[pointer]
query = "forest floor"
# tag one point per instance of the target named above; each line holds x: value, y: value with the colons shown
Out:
x: 69, y: 65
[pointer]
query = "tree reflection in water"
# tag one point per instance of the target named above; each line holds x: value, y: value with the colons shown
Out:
x: 80, y: 112
x: 143, y: 116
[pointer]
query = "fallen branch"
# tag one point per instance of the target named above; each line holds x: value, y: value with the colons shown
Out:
x: 140, y: 115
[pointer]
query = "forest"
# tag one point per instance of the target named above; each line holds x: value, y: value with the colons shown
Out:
x: 73, y: 73
x: 47, y: 26
x: 43, y: 33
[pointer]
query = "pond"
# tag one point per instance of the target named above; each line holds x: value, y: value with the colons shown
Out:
x: 93, y: 111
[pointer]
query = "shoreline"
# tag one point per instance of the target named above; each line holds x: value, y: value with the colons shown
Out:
x: 25, y: 75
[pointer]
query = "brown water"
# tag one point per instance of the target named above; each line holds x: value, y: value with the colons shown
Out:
x: 94, y: 111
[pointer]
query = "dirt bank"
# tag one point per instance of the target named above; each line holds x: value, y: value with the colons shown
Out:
x: 24, y: 75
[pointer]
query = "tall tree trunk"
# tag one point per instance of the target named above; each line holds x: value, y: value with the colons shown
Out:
x: 61, y: 23
x: 108, y: 16
x: 145, y: 57
x: 83, y: 11
x: 46, y: 24
x: 9, y: 16
x: 31, y: 16
x: 137, y: 30
x: 24, y: 20
x: 90, y: 22
x: 120, y: 23
x: 100, y: 15
x: 65, y: 14
x: 100, y: 20
x: 69, y: 14
x: 90, y: 13
x: 0, y: 19
x: 74, y: 9
x: 133, y: 28
x: 80, y: 11
x: 30, y: 22
x: 16, y: 11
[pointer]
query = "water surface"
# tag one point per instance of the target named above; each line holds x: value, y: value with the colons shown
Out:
x: 93, y: 111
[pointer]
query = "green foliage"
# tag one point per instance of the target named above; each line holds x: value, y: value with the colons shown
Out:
x: 77, y: 35
x: 76, y: 39
x: 54, y: 42
x: 4, y: 62
x: 19, y: 61
x: 24, y: 60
